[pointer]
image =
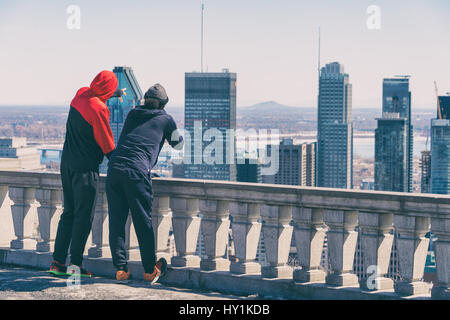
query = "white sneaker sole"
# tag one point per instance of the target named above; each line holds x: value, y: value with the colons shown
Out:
x: 154, y: 280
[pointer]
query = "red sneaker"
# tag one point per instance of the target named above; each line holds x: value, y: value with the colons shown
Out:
x: 159, y: 271
x: 123, y: 276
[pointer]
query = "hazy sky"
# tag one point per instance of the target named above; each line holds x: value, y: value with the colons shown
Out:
x: 270, y: 44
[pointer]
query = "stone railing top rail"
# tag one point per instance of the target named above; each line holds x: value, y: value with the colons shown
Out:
x: 427, y: 205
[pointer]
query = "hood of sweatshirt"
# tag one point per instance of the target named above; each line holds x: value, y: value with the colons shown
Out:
x: 104, y: 85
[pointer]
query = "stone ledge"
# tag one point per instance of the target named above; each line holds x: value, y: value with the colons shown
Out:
x: 219, y: 281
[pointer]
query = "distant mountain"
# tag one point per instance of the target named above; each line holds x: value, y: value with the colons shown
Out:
x: 272, y: 106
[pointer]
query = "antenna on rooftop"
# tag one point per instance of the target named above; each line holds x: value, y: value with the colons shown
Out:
x: 318, y: 60
x: 318, y: 74
x: 201, y: 54
x: 438, y: 102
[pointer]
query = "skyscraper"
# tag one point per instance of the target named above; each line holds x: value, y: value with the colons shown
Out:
x: 394, y: 138
x: 311, y: 164
x: 425, y: 166
x: 440, y: 156
x: 444, y: 103
x: 210, y: 103
x: 119, y: 110
x: 391, y: 153
x: 335, y: 129
x: 248, y: 170
x: 296, y: 164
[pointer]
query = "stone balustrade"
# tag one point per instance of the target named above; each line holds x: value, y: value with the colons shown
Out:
x: 32, y: 203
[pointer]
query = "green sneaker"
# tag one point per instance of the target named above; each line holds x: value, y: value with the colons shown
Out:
x: 78, y: 270
x: 57, y: 269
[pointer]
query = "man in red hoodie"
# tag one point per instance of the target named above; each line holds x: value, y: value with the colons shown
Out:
x: 88, y: 139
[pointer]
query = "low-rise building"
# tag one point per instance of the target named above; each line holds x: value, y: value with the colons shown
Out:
x: 16, y: 154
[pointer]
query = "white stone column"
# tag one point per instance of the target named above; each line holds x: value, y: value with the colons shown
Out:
x: 342, y: 238
x: 161, y: 221
x: 23, y: 217
x: 6, y: 225
x: 277, y: 240
x: 376, y: 239
x: 309, y: 233
x: 246, y: 231
x: 100, y: 229
x: 215, y: 226
x: 412, y: 247
x: 49, y: 211
x: 186, y: 226
x: 3, y: 193
x: 441, y: 229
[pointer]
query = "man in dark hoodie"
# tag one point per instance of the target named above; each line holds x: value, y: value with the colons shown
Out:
x: 129, y: 185
x: 88, y: 139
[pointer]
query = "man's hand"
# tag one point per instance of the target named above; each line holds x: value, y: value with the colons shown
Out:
x: 119, y: 93
x: 154, y: 175
x: 123, y: 94
x: 176, y: 140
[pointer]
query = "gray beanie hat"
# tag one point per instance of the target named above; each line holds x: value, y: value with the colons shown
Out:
x: 157, y: 92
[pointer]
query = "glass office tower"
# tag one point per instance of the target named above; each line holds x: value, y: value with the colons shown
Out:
x: 335, y: 129
x: 444, y: 102
x: 210, y: 103
x: 119, y: 110
x: 440, y: 156
x: 393, y: 152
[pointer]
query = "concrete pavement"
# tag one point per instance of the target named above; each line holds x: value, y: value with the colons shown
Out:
x: 18, y: 283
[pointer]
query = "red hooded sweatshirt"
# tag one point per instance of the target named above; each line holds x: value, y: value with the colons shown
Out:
x: 88, y: 134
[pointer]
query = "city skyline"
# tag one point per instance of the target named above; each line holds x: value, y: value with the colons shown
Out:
x: 279, y: 63
x: 304, y: 153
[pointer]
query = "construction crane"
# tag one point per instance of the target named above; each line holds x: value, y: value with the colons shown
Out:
x: 438, y: 103
x: 406, y: 76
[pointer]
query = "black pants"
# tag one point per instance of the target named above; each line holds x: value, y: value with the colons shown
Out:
x: 79, y: 191
x: 130, y: 191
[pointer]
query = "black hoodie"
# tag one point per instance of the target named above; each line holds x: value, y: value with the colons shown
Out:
x: 143, y: 135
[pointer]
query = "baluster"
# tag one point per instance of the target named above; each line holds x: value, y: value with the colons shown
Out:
x: 100, y: 229
x: 23, y: 217
x: 246, y: 231
x: 186, y: 226
x: 376, y: 239
x: 412, y: 248
x: 161, y: 221
x: 309, y: 238
x: 277, y: 240
x: 215, y: 225
x: 441, y: 229
x: 6, y: 225
x: 49, y: 211
x: 342, y: 239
